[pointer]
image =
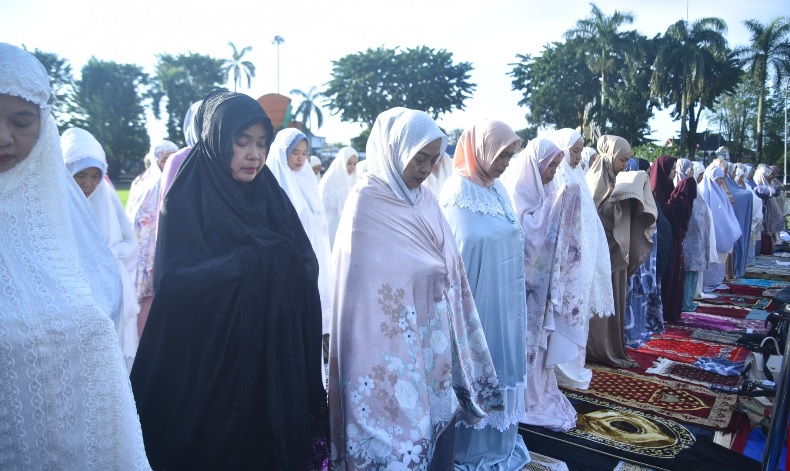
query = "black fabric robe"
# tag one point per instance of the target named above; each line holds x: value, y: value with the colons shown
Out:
x: 227, y: 375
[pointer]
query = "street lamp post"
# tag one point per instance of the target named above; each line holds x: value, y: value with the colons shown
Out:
x: 277, y: 41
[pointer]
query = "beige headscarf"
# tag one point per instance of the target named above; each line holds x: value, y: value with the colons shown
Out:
x: 601, y: 176
x: 479, y: 146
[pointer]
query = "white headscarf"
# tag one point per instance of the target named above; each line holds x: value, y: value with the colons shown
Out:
x: 62, y: 369
x: 80, y: 151
x: 725, y: 224
x: 143, y: 185
x: 587, y: 155
x: 190, y: 128
x: 334, y: 188
x: 698, y: 169
x: 682, y: 168
x: 565, y: 139
x: 302, y: 189
x: 396, y: 133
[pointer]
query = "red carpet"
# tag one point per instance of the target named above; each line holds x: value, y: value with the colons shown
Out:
x: 689, y: 403
x: 689, y: 350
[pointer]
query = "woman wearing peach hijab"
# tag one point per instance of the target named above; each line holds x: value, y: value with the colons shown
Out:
x: 628, y: 213
x: 491, y: 241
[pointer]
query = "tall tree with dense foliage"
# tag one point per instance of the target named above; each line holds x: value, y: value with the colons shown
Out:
x: 601, y: 35
x: 767, y: 57
x: 308, y: 107
x: 237, y: 69
x: 366, y: 83
x: 692, y: 68
x: 556, y: 85
x: 560, y: 91
x: 61, y: 79
x: 735, y: 114
x: 184, y: 79
x: 111, y: 96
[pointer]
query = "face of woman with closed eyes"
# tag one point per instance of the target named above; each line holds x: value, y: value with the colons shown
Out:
x: 421, y: 165
x: 576, y: 153
x: 502, y: 161
x: 249, y: 153
x: 20, y: 125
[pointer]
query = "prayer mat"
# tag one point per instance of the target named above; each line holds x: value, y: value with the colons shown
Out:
x: 608, y: 433
x: 770, y: 272
x: 739, y: 301
x: 727, y: 338
x: 724, y: 311
x: 711, y: 322
x: 544, y: 463
x: 771, y: 292
x: 691, y: 374
x: 626, y: 466
x: 760, y: 283
x: 758, y: 314
x: 688, y: 350
x: 689, y: 403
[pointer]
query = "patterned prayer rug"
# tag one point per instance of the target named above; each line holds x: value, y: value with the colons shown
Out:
x: 724, y: 311
x: 727, y: 338
x: 544, y: 463
x: 727, y: 324
x: 688, y: 350
x: 739, y: 301
x: 608, y: 433
x: 689, y: 403
x: 691, y: 374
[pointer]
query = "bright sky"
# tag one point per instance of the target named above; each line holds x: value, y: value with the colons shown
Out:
x: 487, y: 34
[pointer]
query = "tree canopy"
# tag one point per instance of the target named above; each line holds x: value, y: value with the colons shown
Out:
x: 367, y: 83
x: 184, y: 79
x: 111, y: 96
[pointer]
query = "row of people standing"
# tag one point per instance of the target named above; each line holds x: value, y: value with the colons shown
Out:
x: 450, y: 316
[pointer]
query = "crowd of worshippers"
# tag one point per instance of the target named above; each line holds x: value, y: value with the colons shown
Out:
x: 449, y: 296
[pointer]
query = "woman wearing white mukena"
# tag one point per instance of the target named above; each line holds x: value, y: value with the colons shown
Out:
x: 65, y: 399
x: 596, y: 269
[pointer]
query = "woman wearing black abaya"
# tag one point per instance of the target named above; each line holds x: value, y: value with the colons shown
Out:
x: 676, y: 204
x: 227, y: 374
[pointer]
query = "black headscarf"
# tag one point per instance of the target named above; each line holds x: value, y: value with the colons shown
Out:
x: 227, y: 375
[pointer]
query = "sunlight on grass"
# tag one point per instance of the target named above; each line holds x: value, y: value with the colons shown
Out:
x: 123, y: 194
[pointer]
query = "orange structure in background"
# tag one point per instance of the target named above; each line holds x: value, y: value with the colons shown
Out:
x: 278, y: 108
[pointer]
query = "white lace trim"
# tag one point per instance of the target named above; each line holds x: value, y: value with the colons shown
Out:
x: 460, y: 191
x: 514, y: 412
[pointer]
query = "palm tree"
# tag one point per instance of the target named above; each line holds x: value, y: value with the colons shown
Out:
x: 768, y: 54
x: 685, y: 68
x: 237, y: 68
x: 309, y: 107
x: 600, y: 33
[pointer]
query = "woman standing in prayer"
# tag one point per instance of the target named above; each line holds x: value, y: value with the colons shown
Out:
x: 288, y: 162
x: 676, y: 203
x: 228, y: 374
x: 773, y: 220
x: 336, y: 185
x: 628, y: 214
x: 725, y: 224
x: 65, y: 401
x: 175, y: 161
x: 86, y: 161
x: 407, y: 353
x: 697, y: 243
x: 595, y: 273
x: 644, y: 311
x: 142, y: 209
x: 743, y: 202
x: 589, y: 155
x: 556, y: 325
x: 441, y: 172
x: 491, y: 241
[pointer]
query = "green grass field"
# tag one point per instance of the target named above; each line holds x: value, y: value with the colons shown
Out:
x: 123, y: 192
